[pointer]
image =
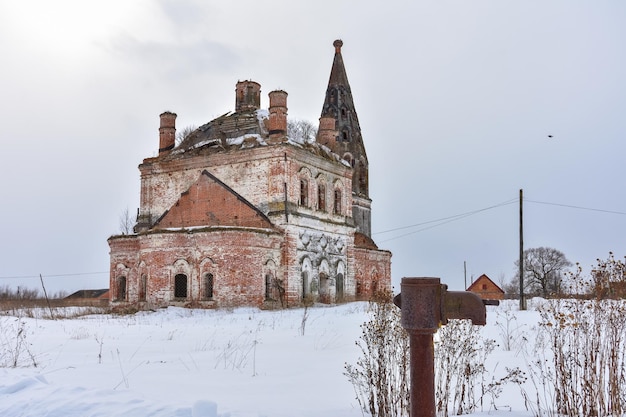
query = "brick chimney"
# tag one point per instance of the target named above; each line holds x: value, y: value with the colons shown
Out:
x: 277, y: 125
x: 326, y: 134
x: 167, y: 132
x: 247, y: 96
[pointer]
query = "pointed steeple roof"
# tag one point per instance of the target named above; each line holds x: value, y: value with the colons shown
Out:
x: 347, y: 142
x: 338, y: 72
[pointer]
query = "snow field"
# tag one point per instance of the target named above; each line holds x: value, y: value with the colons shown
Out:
x: 208, y: 363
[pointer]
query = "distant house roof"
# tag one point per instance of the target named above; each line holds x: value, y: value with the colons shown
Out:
x: 474, y: 287
x: 103, y: 293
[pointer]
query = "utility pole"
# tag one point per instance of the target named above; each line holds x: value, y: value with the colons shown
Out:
x: 465, y: 274
x: 522, y: 301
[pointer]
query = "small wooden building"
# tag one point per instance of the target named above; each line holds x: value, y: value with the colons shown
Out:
x: 486, y: 288
x: 96, y: 298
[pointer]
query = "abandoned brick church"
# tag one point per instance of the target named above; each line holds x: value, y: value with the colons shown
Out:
x: 239, y: 213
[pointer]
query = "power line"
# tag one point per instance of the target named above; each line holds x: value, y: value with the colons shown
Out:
x: 442, y: 221
x: 56, y: 275
x: 451, y: 218
x: 577, y: 207
x: 445, y: 220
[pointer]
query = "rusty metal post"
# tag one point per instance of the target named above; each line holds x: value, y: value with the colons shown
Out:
x: 422, y: 374
x: 425, y: 305
x: 420, y: 305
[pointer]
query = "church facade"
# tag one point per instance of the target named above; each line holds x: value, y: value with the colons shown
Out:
x: 239, y: 213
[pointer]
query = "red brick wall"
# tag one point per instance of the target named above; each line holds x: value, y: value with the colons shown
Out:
x: 236, y: 258
x: 486, y: 289
x: 373, y: 271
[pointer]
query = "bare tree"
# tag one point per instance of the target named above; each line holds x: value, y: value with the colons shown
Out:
x: 126, y: 222
x: 543, y: 270
x: 184, y: 133
x: 301, y: 130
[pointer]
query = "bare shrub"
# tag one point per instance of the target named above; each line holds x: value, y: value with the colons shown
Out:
x: 584, y: 371
x: 14, y: 348
x: 308, y: 302
x: 510, y: 331
x: 579, y: 361
x: 380, y: 376
x: 460, y: 354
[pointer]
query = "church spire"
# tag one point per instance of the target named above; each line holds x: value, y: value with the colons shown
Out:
x: 339, y: 130
x: 347, y: 141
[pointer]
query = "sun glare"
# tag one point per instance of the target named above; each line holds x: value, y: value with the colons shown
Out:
x: 70, y: 27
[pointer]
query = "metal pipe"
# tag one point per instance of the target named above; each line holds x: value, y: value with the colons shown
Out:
x: 422, y: 374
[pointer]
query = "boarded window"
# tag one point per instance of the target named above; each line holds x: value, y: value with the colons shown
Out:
x: 180, y: 286
x: 143, y: 285
x: 121, y: 289
x: 339, y: 286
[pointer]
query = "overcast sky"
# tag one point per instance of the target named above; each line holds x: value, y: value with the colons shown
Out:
x: 461, y: 104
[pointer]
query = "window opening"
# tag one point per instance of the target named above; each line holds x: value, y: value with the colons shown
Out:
x: 339, y: 287
x: 321, y: 197
x: 268, y: 287
x: 305, y: 284
x: 208, y: 286
x: 362, y: 178
x: 121, y: 289
x: 337, y: 203
x: 143, y: 285
x: 180, y: 286
x: 304, y: 193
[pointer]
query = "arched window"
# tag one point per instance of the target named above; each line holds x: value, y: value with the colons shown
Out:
x: 208, y: 286
x: 339, y: 282
x: 321, y: 197
x: 306, y: 290
x: 269, y: 287
x: 337, y: 202
x: 180, y: 286
x: 143, y: 285
x: 339, y: 286
x: 121, y: 289
x: 304, y: 193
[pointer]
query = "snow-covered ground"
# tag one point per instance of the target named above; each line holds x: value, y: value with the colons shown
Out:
x: 207, y: 363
